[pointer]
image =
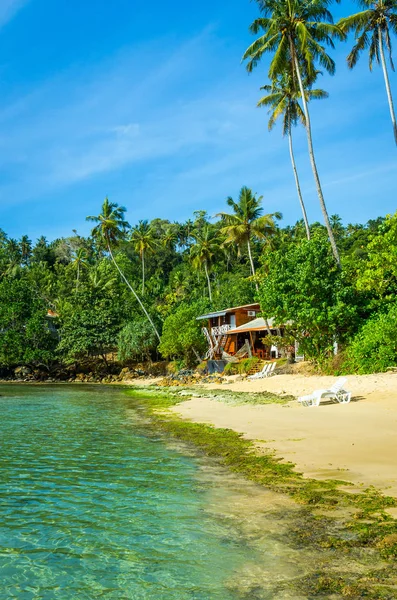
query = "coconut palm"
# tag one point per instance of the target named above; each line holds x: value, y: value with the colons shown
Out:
x: 143, y: 240
x: 247, y: 222
x: 204, y: 251
x: 372, y: 27
x: 110, y: 231
x: 296, y: 33
x: 169, y: 237
x: 283, y: 100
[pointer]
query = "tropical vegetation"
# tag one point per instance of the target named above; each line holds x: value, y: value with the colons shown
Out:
x: 131, y: 293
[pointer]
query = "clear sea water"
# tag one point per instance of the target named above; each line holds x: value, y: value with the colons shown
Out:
x: 93, y: 504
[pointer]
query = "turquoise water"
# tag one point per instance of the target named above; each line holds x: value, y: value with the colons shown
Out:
x: 93, y: 505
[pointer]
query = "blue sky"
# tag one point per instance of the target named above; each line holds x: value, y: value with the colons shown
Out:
x: 147, y: 102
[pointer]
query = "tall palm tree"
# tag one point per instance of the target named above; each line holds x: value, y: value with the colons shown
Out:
x: 372, y: 27
x: 204, y: 251
x: 283, y: 100
x: 247, y: 222
x: 296, y: 33
x: 110, y: 230
x: 143, y: 240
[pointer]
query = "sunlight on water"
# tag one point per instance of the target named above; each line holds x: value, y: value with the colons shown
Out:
x: 93, y: 505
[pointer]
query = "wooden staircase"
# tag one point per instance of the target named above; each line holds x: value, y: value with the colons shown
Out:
x: 257, y: 367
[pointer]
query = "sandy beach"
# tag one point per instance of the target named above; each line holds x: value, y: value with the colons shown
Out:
x: 356, y: 442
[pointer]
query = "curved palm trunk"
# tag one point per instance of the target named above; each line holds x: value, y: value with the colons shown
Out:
x: 143, y: 272
x: 208, y: 281
x: 387, y: 83
x: 298, y: 187
x: 134, y: 292
x: 313, y: 161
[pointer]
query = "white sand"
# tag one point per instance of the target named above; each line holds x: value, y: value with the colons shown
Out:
x: 356, y: 442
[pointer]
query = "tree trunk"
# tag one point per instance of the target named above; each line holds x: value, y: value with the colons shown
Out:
x: 134, y: 292
x: 313, y: 161
x: 252, y: 264
x: 143, y: 272
x: 208, y: 281
x: 387, y: 83
x: 298, y: 187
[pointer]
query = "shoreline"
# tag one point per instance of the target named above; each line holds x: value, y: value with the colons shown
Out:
x: 356, y: 442
x: 357, y: 527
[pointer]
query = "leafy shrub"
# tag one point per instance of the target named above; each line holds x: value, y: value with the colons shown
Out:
x: 202, y: 367
x: 242, y: 367
x: 136, y: 341
x: 231, y: 369
x: 175, y: 366
x: 246, y: 364
x: 374, y: 348
x: 182, y: 336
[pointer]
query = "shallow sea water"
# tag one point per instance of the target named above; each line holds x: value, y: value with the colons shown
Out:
x: 93, y: 504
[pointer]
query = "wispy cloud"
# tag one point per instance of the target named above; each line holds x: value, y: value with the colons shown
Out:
x: 169, y: 123
x: 9, y: 8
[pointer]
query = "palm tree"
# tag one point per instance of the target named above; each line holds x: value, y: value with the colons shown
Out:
x: 26, y: 249
x: 79, y: 260
x: 142, y: 238
x: 372, y: 28
x: 110, y: 230
x: 169, y: 237
x: 99, y: 279
x: 204, y: 251
x: 247, y: 222
x: 296, y: 32
x: 283, y: 100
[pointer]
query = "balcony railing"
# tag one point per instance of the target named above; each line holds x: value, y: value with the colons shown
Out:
x: 221, y: 330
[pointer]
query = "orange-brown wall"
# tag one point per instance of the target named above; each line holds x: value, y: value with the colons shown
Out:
x: 242, y: 315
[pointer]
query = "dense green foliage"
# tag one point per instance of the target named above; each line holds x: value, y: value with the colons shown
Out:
x: 136, y: 291
x: 182, y: 334
x: 374, y: 348
x: 66, y: 302
x: 136, y: 341
x: 306, y: 290
x: 25, y: 332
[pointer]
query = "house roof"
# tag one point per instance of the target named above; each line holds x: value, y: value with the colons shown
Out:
x: 225, y: 311
x: 258, y: 324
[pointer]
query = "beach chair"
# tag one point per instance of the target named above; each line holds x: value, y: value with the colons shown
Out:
x: 336, y: 392
x: 271, y: 370
x: 262, y: 373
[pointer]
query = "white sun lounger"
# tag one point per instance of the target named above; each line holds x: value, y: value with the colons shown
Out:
x: 271, y: 370
x: 262, y: 373
x: 267, y: 371
x: 336, y: 392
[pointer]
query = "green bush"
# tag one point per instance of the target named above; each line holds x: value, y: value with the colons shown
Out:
x: 246, y: 364
x: 374, y: 348
x: 136, y: 341
x: 175, y: 366
x: 242, y: 367
x: 231, y: 369
x: 182, y: 336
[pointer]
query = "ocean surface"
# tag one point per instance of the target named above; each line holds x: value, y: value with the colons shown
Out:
x: 95, y: 504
